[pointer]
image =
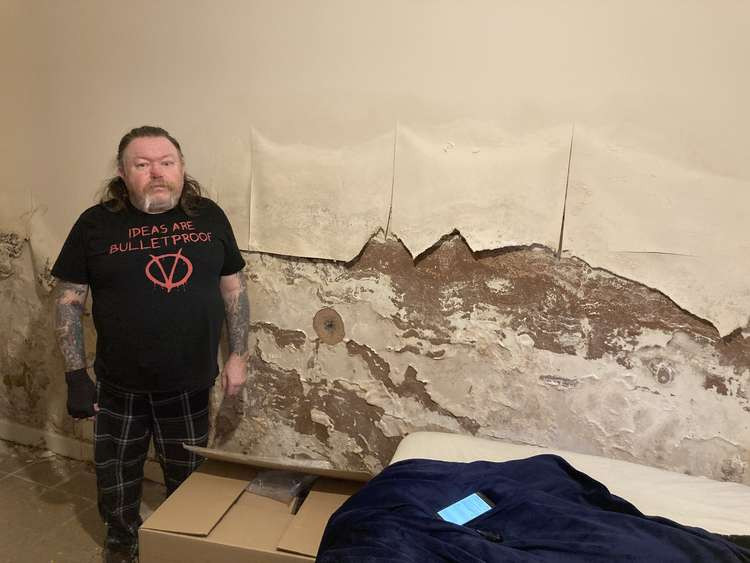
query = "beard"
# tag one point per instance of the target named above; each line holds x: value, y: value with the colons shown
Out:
x: 162, y: 200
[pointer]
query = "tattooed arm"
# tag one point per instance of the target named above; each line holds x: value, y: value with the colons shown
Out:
x: 69, y: 302
x: 237, y: 308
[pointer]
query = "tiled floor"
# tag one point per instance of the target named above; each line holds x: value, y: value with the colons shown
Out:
x: 48, y: 507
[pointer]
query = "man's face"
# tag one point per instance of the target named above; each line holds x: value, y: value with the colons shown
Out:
x: 153, y: 173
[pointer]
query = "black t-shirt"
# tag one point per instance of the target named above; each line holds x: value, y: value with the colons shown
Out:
x: 154, y: 281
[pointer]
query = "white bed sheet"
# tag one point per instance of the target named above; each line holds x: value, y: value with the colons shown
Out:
x: 719, y: 507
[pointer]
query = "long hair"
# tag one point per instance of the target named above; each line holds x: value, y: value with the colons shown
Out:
x: 115, y: 193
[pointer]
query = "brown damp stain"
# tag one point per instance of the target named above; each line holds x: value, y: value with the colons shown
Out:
x: 283, y: 337
x: 277, y: 390
x: 280, y: 395
x: 716, y: 382
x: 734, y: 350
x: 438, y: 341
x: 410, y: 387
x: 379, y: 368
x: 646, y: 389
x: 353, y: 416
x: 25, y: 378
x: 276, y: 393
x: 619, y: 310
x: 304, y: 423
x: 409, y: 348
x: 354, y: 460
x: 230, y: 415
x: 551, y: 299
x: 419, y: 292
x: 411, y: 333
x: 15, y: 380
x: 451, y: 265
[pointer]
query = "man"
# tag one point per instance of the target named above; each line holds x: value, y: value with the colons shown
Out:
x: 164, y: 271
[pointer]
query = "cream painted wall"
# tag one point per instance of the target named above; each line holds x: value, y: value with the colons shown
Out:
x: 338, y: 72
x: 18, y: 100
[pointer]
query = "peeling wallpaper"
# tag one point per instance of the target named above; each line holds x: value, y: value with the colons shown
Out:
x: 318, y: 202
x: 512, y: 344
x: 600, y: 195
x: 495, y: 187
x: 669, y: 224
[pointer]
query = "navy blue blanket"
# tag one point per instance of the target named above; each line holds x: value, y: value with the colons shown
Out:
x: 545, y: 510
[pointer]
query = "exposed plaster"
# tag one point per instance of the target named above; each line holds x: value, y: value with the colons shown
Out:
x: 513, y: 344
x: 565, y: 355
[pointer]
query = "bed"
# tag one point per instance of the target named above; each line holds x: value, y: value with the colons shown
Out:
x: 549, y: 505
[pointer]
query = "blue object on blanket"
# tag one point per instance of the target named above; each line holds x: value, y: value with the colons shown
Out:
x: 545, y: 511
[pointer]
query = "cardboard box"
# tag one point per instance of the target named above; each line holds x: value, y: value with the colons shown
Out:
x: 212, y: 518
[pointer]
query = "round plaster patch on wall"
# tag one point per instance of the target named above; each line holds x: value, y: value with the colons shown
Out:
x: 329, y: 326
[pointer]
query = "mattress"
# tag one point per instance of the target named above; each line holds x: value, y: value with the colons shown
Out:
x: 719, y: 507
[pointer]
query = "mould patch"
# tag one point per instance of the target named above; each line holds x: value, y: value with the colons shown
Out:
x: 11, y: 248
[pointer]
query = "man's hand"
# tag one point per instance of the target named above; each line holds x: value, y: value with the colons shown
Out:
x: 234, y: 374
x: 81, y: 394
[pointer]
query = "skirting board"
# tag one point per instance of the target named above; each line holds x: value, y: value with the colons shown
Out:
x: 63, y: 445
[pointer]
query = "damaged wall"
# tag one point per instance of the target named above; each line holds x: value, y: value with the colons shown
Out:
x: 508, y: 342
x: 517, y: 345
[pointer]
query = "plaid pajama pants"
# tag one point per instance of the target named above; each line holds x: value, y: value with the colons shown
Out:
x: 123, y: 429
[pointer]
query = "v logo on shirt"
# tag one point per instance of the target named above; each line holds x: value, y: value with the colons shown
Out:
x: 180, y: 270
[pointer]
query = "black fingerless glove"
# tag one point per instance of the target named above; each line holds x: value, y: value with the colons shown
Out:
x: 81, y: 393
